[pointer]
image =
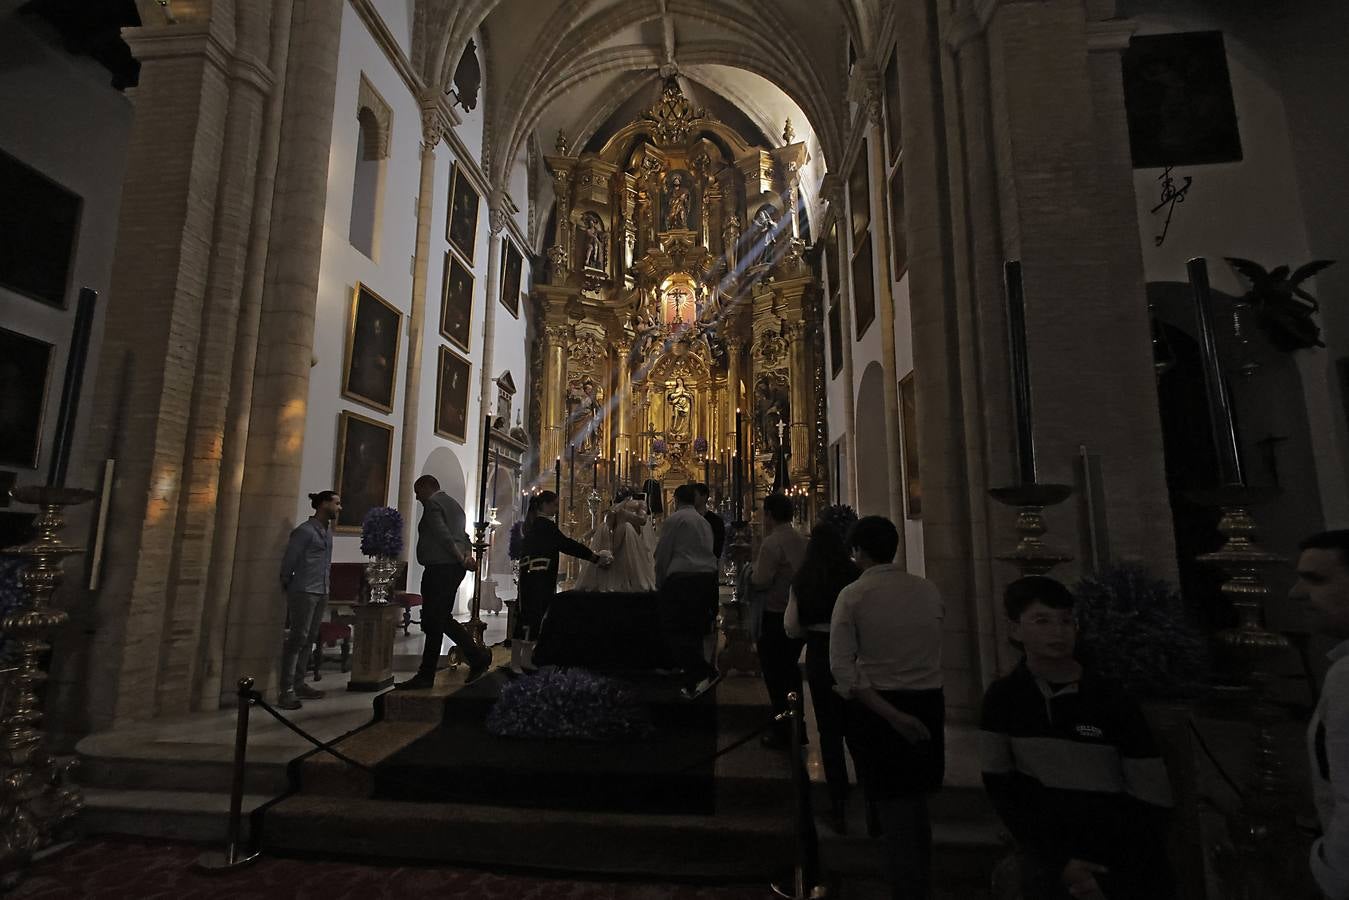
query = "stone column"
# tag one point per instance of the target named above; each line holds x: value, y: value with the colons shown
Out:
x: 235, y: 434
x: 272, y: 462
x: 496, y: 222
x: 885, y: 308
x: 623, y: 402
x: 434, y: 124
x: 186, y: 612
x: 836, y: 190
x: 152, y: 339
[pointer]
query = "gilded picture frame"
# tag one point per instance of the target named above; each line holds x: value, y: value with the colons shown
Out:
x: 453, y: 374
x: 908, y: 423
x: 456, y: 302
x: 25, y: 380
x: 512, y: 273
x: 370, y: 368
x: 364, y: 464
x: 461, y: 219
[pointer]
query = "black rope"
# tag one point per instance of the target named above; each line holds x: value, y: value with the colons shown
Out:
x: 1214, y: 760
x: 329, y: 746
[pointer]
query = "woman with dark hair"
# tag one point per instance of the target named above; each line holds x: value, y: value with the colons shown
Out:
x: 543, y: 541
x: 826, y: 570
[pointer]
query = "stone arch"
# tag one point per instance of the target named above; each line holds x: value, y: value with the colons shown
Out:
x: 376, y: 119
x: 873, y: 469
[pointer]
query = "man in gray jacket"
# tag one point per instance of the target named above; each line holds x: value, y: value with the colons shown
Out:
x: 304, y: 578
x: 446, y: 553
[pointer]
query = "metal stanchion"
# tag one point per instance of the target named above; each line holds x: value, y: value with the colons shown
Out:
x: 799, y: 889
x: 232, y: 858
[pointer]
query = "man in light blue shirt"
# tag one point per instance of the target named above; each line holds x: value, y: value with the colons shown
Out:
x: 304, y: 578
x: 1323, y: 581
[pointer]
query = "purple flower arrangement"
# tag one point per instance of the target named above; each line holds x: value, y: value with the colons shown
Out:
x: 568, y: 703
x: 700, y: 445
x: 658, y: 447
x: 515, y: 548
x: 382, y: 532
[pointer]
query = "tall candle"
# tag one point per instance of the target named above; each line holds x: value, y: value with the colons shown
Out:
x: 571, y: 476
x: 557, y: 476
x: 1219, y: 402
x: 482, y: 472
x: 1020, y: 364
x: 707, y: 472
x: 595, y: 473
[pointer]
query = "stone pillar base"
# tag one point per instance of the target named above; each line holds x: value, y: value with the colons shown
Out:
x: 372, y: 661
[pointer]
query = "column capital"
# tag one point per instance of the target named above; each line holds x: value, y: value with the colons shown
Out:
x: 436, y: 122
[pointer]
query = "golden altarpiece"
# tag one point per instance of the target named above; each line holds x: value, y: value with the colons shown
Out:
x: 676, y: 294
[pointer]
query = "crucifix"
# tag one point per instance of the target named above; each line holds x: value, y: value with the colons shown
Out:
x: 780, y: 478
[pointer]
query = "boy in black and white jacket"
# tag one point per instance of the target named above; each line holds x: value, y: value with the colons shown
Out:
x: 1070, y: 764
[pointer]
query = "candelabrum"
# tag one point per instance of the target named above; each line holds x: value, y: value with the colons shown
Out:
x: 36, y: 801
x: 1032, y: 556
x: 1264, y: 821
x: 475, y: 625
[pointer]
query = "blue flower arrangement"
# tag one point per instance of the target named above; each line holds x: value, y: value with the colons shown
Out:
x: 568, y: 703
x: 515, y: 548
x: 382, y: 532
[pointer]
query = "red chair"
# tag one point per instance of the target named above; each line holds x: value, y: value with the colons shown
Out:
x: 330, y: 635
x: 408, y: 601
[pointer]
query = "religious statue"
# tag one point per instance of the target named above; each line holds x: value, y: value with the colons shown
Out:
x: 680, y: 400
x: 584, y: 416
x: 678, y: 215
x: 597, y: 248
x: 771, y: 406
x: 765, y: 233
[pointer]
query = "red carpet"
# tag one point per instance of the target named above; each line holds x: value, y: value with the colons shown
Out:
x: 155, y: 870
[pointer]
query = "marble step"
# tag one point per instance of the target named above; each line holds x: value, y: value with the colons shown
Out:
x: 200, y: 816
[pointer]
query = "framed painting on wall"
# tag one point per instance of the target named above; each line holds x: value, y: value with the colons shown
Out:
x: 1178, y: 97
x: 835, y: 337
x: 461, y: 225
x: 25, y: 373
x: 371, y: 368
x: 899, y: 243
x: 908, y: 423
x: 892, y: 121
x: 859, y: 195
x: 364, y: 461
x: 456, y: 302
x: 512, y: 266
x: 863, y: 287
x: 452, y: 376
x: 40, y: 220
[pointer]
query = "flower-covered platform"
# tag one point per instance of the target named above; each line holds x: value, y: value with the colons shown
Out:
x: 650, y: 799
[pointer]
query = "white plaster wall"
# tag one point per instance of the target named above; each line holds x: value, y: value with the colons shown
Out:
x: 1250, y: 209
x: 397, y: 14
x: 342, y: 266
x: 60, y: 115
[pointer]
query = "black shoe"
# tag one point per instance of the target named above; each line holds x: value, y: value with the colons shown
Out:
x: 478, y: 670
x: 419, y: 682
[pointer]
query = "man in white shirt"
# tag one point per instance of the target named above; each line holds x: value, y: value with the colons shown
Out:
x: 686, y: 575
x: 1323, y: 581
x: 885, y: 653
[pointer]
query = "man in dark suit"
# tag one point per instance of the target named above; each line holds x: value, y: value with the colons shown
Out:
x: 713, y: 519
x: 444, y: 549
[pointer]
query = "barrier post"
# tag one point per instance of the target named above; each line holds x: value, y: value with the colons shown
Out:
x: 232, y: 858
x: 799, y: 889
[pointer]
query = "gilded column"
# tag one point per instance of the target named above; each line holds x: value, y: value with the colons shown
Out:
x: 555, y: 371
x: 623, y: 402
x: 734, y: 346
x: 803, y: 377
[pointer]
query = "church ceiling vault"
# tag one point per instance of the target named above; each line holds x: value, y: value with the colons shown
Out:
x: 564, y: 63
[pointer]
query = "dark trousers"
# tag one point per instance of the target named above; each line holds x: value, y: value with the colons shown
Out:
x: 778, y: 655
x: 907, y: 833
x: 440, y: 584
x: 688, y: 610
x: 830, y: 714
